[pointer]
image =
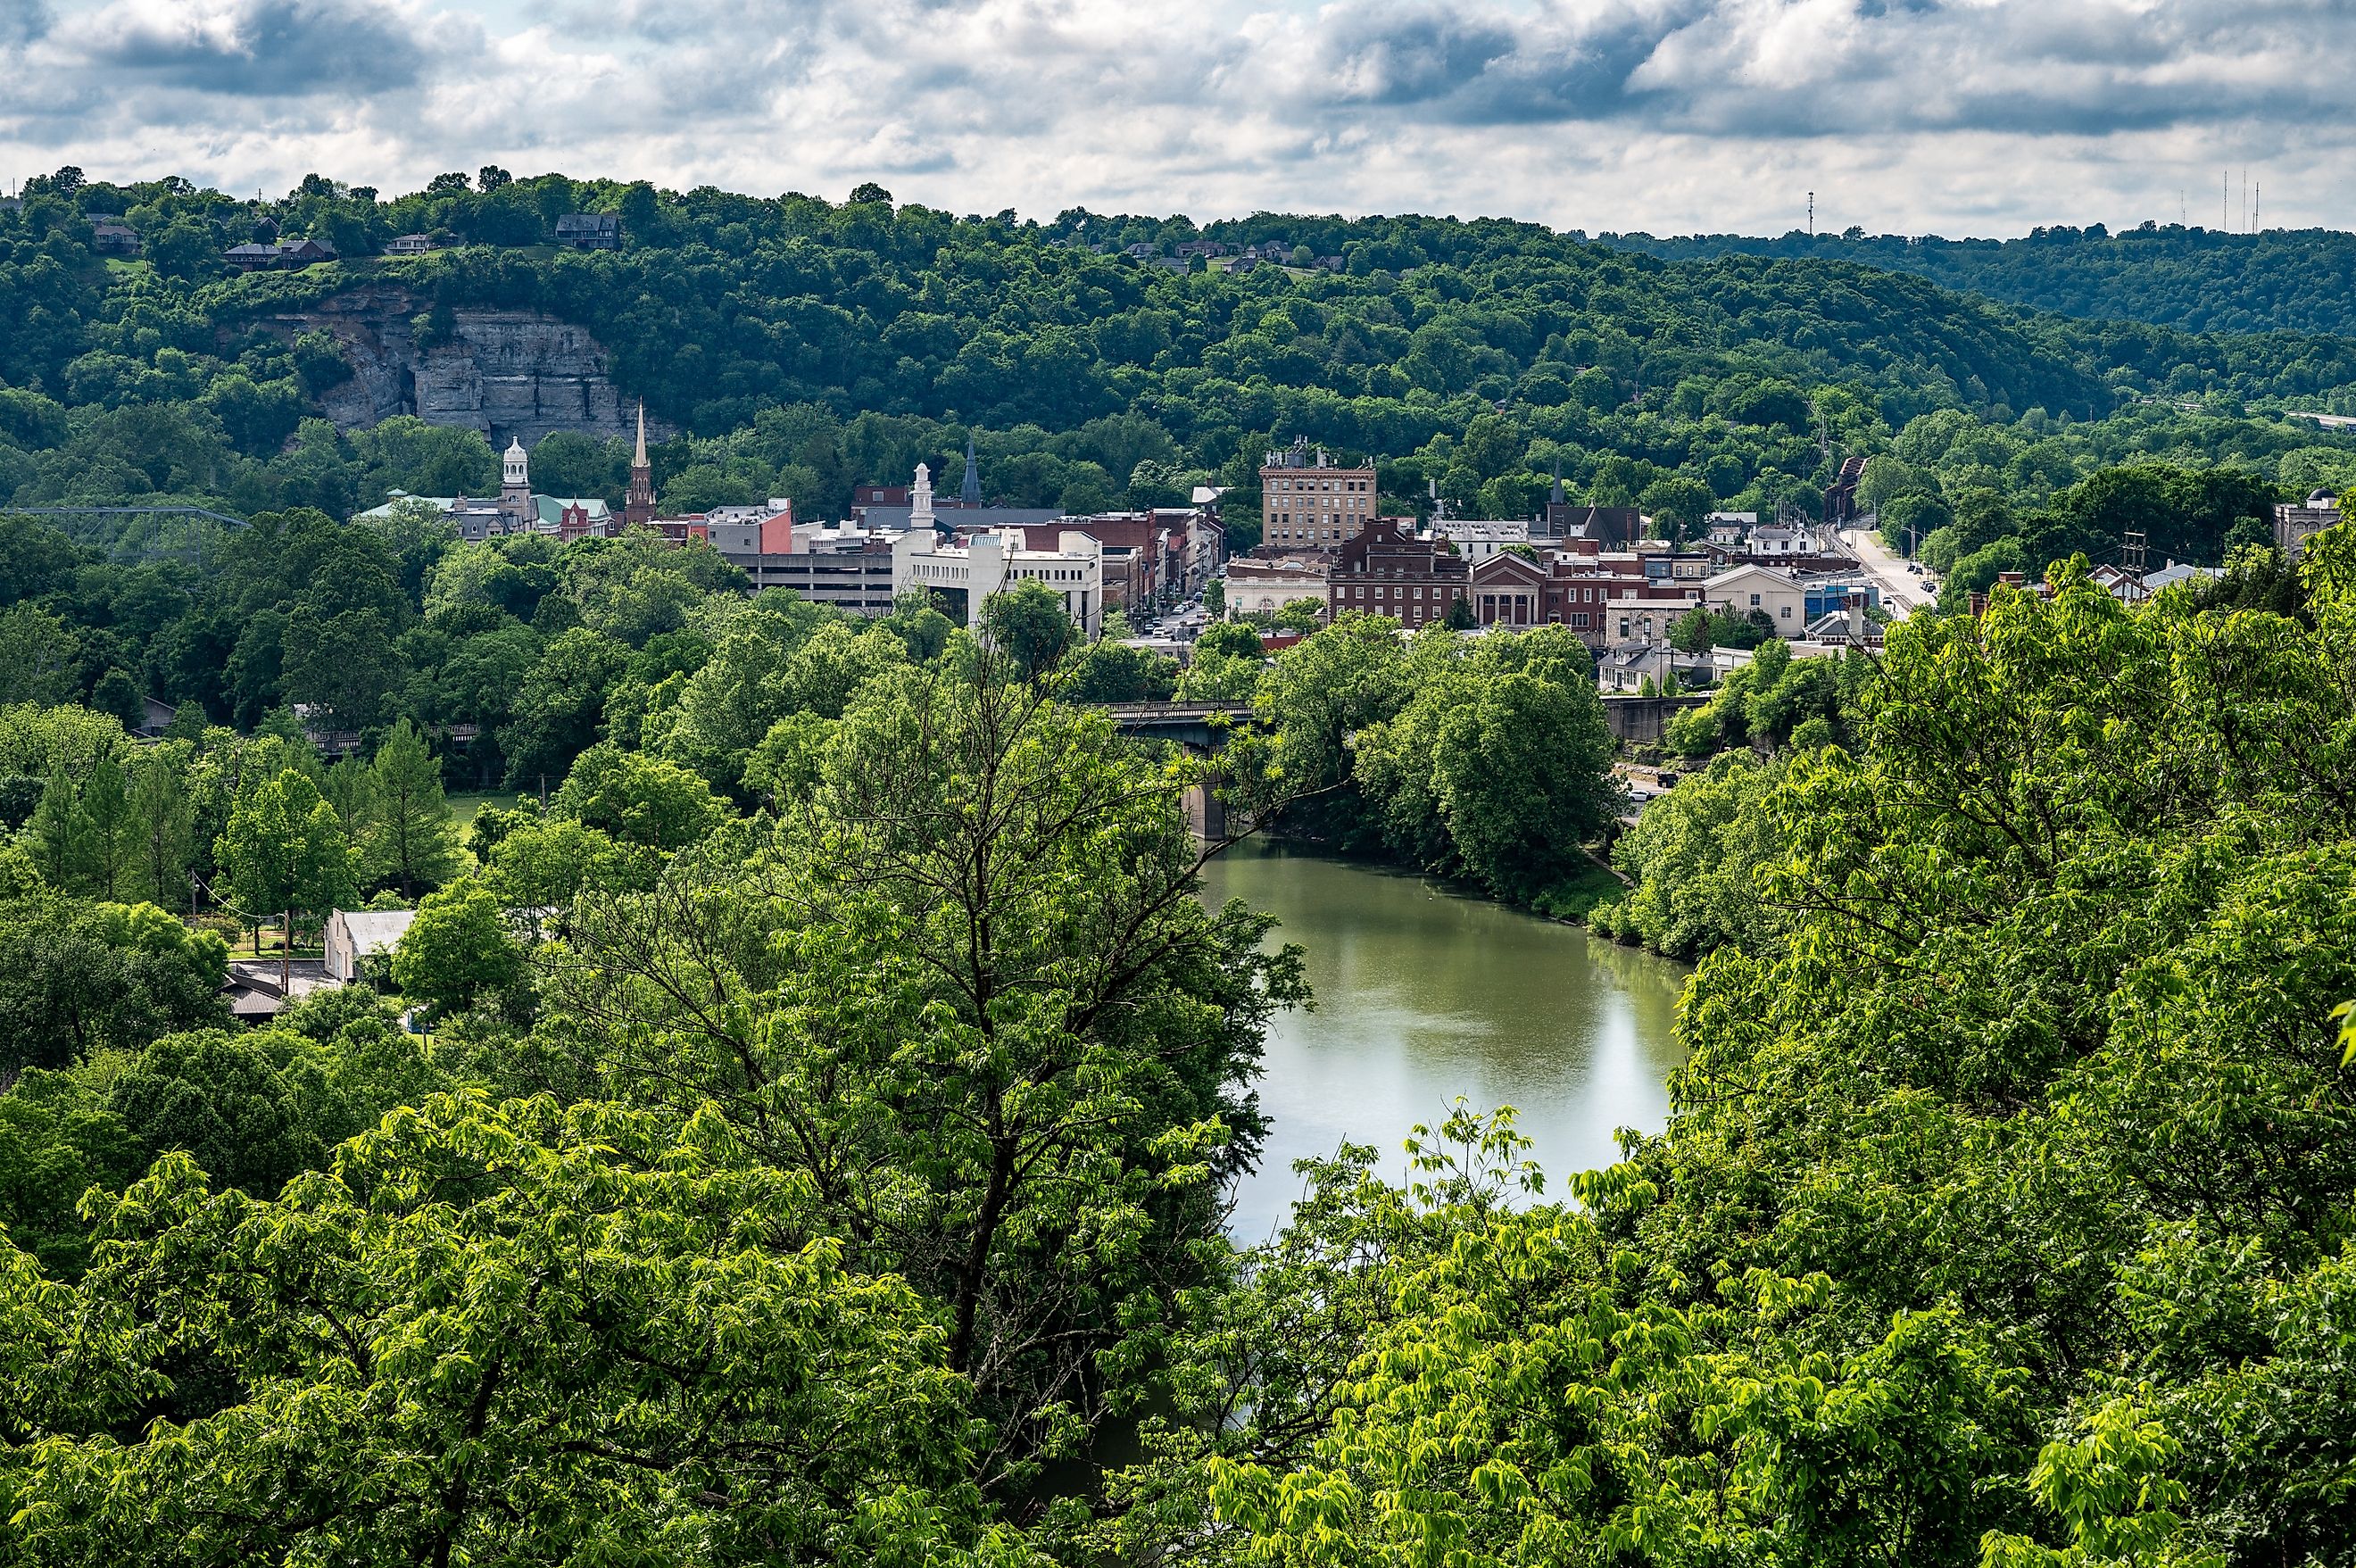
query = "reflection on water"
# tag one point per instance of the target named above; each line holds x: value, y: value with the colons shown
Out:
x: 1424, y: 994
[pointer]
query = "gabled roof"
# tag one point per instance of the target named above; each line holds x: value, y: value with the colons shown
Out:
x: 1506, y: 563
x: 1752, y: 569
x: 375, y: 930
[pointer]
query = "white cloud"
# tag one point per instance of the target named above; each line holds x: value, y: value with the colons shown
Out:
x: 1955, y: 115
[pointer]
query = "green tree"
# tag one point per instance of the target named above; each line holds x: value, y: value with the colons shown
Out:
x: 79, y: 978
x: 484, y: 1289
x: 638, y: 799
x: 283, y: 850
x: 219, y: 1098
x: 562, y: 705
x: 106, y: 830
x: 1679, y: 506
x: 162, y: 824
x: 55, y: 831
x: 414, y: 844
x: 954, y: 942
x: 1030, y: 623
x: 458, y: 949
x: 1694, y: 855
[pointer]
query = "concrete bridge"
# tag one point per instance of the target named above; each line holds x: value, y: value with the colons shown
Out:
x: 1200, y: 727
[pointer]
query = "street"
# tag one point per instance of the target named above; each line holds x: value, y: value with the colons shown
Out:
x: 1901, y: 590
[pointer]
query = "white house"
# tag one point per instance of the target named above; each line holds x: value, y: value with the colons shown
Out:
x: 1741, y: 590
x: 1264, y: 587
x: 1477, y: 540
x: 354, y: 935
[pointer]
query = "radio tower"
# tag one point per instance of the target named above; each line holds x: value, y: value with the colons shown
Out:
x: 1812, y: 215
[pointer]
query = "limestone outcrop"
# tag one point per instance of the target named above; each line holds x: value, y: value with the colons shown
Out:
x: 508, y: 373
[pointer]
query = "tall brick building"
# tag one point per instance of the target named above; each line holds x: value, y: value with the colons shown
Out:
x: 1305, y: 500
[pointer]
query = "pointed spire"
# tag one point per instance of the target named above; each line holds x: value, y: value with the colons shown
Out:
x: 638, y: 505
x: 969, y: 492
x: 1555, y: 496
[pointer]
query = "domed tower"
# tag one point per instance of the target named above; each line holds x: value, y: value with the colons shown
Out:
x: 920, y: 498
x: 515, y: 488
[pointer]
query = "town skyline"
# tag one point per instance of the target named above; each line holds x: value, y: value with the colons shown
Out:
x: 1711, y: 116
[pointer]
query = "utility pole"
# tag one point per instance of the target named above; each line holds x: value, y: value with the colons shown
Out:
x: 2131, y: 558
x: 285, y: 954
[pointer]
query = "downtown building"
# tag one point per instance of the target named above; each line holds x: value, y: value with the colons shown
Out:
x: 1306, y: 501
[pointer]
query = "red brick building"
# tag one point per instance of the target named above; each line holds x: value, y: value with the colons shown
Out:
x: 1386, y: 570
x: 1606, y: 599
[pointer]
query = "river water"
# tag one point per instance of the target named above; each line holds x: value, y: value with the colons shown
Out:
x: 1423, y: 994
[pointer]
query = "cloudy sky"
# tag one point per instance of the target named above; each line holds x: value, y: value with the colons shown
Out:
x: 1948, y: 116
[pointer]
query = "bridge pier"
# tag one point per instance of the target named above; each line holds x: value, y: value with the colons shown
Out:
x: 1202, y: 728
x: 1206, y: 814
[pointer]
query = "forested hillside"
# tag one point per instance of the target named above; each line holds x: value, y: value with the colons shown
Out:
x: 2198, y: 280
x: 803, y: 346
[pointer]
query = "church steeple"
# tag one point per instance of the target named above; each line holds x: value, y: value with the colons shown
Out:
x: 969, y: 492
x: 638, y: 507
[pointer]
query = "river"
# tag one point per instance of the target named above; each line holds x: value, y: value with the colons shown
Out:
x: 1424, y: 993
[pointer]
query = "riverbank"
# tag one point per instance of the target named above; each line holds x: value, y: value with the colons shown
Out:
x: 1569, y: 902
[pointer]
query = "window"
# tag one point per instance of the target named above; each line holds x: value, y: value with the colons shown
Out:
x: 1754, y: 601
x: 1785, y: 612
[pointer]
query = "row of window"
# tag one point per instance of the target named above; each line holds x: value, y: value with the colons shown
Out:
x: 1384, y: 593
x: 1350, y: 484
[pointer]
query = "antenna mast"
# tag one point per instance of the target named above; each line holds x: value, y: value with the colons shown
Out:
x: 1812, y: 214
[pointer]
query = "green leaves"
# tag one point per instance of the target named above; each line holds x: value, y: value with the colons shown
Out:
x: 498, y: 1332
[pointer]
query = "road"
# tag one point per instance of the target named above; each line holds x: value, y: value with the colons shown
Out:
x: 1902, y: 590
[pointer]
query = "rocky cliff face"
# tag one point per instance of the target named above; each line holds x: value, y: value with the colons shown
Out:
x: 508, y: 374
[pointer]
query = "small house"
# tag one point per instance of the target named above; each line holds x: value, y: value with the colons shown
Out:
x: 112, y: 237
x: 354, y: 936
x: 590, y: 231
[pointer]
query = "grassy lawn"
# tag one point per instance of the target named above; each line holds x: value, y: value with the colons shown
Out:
x: 463, y: 806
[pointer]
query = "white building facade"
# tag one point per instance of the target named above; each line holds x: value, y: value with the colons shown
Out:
x: 986, y: 564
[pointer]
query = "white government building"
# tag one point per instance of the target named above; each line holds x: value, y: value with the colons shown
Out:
x: 988, y: 564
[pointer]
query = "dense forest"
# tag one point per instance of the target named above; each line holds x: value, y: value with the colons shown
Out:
x: 802, y: 1137
x: 2195, y: 279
